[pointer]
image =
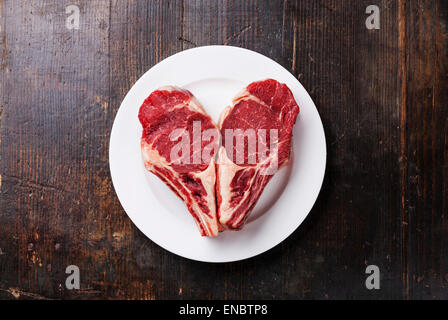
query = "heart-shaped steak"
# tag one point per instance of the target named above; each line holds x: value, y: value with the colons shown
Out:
x: 180, y: 142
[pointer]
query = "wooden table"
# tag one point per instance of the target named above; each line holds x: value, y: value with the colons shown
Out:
x: 382, y: 96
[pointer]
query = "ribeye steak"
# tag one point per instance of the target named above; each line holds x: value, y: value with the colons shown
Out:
x: 267, y: 108
x: 169, y: 115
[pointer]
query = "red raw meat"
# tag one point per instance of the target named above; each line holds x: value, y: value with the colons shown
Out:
x: 164, y: 111
x: 242, y: 177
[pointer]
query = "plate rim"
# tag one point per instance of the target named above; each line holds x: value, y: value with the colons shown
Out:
x: 319, y: 184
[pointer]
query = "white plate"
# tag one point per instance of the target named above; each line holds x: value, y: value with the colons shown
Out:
x: 215, y: 74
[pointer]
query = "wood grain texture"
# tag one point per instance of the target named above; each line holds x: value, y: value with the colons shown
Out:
x: 424, y: 148
x: 381, y: 95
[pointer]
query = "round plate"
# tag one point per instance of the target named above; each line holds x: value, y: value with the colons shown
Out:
x: 215, y: 74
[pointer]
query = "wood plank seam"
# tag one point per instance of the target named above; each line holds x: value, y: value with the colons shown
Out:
x: 403, y: 147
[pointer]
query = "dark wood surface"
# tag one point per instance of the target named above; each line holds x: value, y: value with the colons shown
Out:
x: 382, y: 96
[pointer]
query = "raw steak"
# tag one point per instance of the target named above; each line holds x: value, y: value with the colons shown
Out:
x: 169, y: 116
x: 242, y: 177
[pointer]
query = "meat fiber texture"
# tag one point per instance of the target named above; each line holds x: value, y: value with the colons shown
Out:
x: 219, y: 184
x: 268, y: 109
x: 168, y: 114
